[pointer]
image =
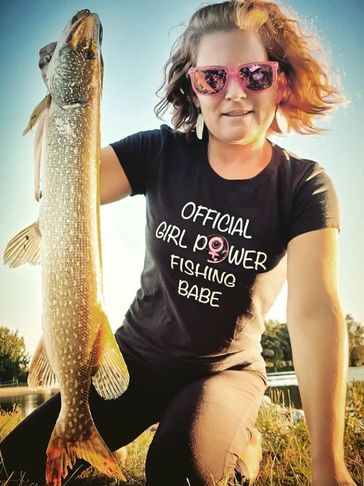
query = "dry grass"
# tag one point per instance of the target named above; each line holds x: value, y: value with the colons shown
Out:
x: 286, y: 447
x: 9, y: 420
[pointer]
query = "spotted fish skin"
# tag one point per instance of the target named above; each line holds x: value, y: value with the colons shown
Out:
x: 78, y: 345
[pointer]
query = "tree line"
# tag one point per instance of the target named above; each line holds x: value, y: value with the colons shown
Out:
x: 277, y: 351
x: 14, y: 358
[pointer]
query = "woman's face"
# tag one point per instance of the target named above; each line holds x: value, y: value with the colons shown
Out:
x: 229, y: 49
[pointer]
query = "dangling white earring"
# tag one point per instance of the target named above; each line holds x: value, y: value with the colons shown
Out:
x: 199, y: 126
x: 281, y: 120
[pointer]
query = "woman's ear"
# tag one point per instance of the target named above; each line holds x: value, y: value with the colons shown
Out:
x: 282, y: 87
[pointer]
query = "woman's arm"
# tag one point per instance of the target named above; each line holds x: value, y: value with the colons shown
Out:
x: 114, y: 184
x: 319, y: 341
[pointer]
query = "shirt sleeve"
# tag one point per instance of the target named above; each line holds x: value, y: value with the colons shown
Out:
x: 315, y: 203
x: 138, y: 154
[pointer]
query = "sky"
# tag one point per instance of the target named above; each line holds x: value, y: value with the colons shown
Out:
x: 137, y: 39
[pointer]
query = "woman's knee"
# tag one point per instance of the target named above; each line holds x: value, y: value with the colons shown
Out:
x: 204, y: 429
x: 190, y: 447
x: 186, y: 461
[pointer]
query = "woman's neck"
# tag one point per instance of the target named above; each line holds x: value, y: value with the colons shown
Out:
x: 239, y: 161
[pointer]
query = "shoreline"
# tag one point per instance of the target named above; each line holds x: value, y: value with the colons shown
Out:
x: 354, y: 372
x: 23, y: 390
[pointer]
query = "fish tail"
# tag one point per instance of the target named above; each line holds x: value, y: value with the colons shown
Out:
x: 63, y: 452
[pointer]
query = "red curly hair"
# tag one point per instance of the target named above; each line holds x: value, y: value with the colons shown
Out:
x: 309, y: 93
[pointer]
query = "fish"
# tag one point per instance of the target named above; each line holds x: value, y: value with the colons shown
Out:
x: 77, y: 347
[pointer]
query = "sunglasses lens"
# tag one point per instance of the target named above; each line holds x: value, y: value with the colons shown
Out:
x: 209, y: 81
x: 257, y: 76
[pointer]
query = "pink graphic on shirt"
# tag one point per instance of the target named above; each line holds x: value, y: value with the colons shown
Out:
x: 218, y: 248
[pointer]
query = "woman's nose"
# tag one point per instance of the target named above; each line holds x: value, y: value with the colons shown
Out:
x: 235, y: 89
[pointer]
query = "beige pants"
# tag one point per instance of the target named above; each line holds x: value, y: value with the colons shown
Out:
x: 204, y: 425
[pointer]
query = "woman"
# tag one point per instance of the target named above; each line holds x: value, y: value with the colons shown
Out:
x: 225, y: 207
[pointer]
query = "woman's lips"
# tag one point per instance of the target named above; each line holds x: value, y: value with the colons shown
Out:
x: 237, y: 114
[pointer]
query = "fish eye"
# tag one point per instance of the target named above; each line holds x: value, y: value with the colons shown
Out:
x: 88, y: 54
x: 47, y: 58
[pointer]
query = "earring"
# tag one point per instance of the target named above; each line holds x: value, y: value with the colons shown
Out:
x: 281, y: 121
x: 199, y: 126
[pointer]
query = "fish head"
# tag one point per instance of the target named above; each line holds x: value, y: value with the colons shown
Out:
x: 75, y: 70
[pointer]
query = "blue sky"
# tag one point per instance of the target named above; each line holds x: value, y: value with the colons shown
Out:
x: 138, y: 35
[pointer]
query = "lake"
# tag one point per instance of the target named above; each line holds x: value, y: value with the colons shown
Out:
x: 28, y: 401
x: 287, y: 383
x: 284, y: 381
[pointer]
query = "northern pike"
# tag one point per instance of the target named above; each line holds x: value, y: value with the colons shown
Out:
x: 77, y: 345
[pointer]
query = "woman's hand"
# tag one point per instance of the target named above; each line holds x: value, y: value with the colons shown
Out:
x: 45, y: 54
x: 329, y: 475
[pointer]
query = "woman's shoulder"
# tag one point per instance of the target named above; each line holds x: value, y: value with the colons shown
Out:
x: 149, y: 140
x: 177, y: 134
x: 294, y: 159
x: 298, y: 168
x: 310, y: 193
x: 164, y: 132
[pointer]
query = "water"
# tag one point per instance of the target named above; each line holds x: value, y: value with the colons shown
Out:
x: 291, y: 393
x: 284, y: 381
x: 287, y: 383
x: 28, y: 401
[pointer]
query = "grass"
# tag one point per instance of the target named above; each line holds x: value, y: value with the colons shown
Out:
x: 9, y: 420
x: 286, y: 446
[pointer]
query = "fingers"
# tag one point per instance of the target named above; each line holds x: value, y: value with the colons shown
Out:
x: 45, y: 55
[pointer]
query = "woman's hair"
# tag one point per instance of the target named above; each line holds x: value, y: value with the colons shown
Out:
x: 309, y: 93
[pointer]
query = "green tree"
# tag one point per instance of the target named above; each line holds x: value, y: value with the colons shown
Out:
x: 356, y: 340
x: 271, y: 343
x: 283, y: 334
x: 357, y: 355
x: 13, y: 356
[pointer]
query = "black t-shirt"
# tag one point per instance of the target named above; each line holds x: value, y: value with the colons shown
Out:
x: 213, y: 247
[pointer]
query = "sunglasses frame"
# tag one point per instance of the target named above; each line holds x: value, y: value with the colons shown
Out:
x: 233, y: 71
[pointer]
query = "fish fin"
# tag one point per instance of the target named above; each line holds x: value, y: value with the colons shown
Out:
x: 36, y: 113
x: 24, y: 247
x: 62, y: 452
x: 111, y: 377
x: 40, y: 370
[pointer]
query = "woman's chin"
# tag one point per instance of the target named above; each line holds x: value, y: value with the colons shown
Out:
x: 233, y: 135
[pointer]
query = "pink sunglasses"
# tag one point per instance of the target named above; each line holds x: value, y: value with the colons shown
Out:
x: 254, y: 76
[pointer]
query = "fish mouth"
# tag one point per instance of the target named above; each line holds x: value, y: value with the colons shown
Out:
x: 79, y: 14
x: 84, y: 27
x: 86, y: 13
x: 79, y: 44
